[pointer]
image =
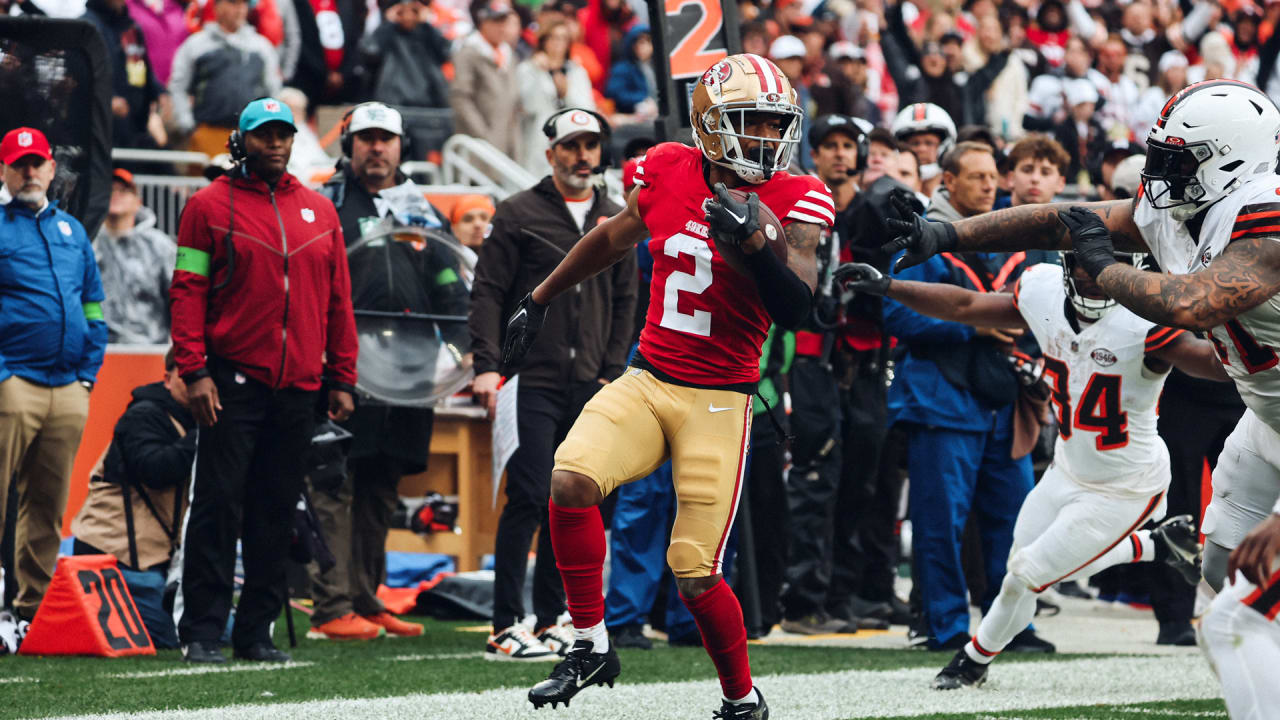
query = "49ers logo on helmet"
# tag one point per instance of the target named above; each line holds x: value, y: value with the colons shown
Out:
x: 718, y: 73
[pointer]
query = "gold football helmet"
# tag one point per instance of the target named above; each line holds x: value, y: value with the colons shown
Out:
x: 722, y: 98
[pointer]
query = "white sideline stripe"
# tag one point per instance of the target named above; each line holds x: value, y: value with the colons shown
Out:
x: 19, y: 679
x: 1118, y: 681
x: 249, y: 667
x: 436, y: 656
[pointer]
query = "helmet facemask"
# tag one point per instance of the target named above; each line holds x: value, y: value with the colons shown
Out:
x: 1171, y: 176
x: 728, y: 121
x: 1092, y: 309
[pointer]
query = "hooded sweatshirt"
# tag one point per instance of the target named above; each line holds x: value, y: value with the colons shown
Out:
x: 136, y: 268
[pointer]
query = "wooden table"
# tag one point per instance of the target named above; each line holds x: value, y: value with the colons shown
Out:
x: 460, y: 464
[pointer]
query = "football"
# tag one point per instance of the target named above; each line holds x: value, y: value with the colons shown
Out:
x: 774, y: 236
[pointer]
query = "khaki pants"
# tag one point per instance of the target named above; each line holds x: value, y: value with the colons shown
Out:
x: 40, y: 430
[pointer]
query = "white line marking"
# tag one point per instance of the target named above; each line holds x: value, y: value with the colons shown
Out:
x: 436, y: 656
x: 207, y: 670
x: 19, y: 679
x: 825, y: 696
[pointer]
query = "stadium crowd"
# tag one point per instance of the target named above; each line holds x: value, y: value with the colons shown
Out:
x: 969, y: 106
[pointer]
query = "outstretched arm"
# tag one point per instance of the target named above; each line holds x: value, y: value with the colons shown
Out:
x: 600, y: 248
x: 1193, y: 356
x: 954, y: 303
x: 1243, y: 277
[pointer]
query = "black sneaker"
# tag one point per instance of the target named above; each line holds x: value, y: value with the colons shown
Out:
x: 1027, y: 641
x: 203, y: 652
x: 743, y: 711
x: 630, y: 636
x: 1178, y: 547
x: 262, y: 652
x: 1176, y: 633
x: 580, y: 669
x: 959, y: 673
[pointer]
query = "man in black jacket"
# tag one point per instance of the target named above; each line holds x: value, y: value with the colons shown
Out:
x: 583, y: 345
x: 419, y: 276
x: 135, y: 91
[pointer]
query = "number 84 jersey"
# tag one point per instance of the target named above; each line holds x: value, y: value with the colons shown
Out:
x: 1103, y: 395
x: 706, y: 323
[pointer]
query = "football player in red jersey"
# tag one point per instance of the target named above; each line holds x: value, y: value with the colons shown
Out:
x: 687, y: 395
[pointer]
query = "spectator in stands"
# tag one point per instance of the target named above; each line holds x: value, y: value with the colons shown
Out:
x: 1118, y: 91
x: 216, y: 72
x: 1007, y: 99
x: 308, y: 155
x: 484, y: 96
x: 163, y: 29
x: 584, y: 346
x: 138, y: 489
x: 136, y: 94
x: 549, y: 82
x: 254, y: 355
x: 470, y: 216
x: 135, y: 260
x: 1037, y: 167
x: 406, y: 54
x: 906, y: 170
x: 604, y: 24
x: 1112, y: 156
x: 632, y: 85
x: 390, y: 442
x: 1081, y: 134
x: 52, y: 340
x: 959, y: 422
x: 850, y: 63
x: 787, y: 52
x: 882, y: 154
x: 1171, y: 76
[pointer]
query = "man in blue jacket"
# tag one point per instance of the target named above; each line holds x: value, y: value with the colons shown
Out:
x: 959, y: 420
x: 52, y: 338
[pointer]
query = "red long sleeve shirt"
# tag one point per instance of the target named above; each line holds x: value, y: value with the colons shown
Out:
x: 284, y: 317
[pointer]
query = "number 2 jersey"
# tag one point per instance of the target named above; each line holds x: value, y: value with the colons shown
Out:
x: 1245, y: 345
x: 706, y: 323
x: 1103, y: 394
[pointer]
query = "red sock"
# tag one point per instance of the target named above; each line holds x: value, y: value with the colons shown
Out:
x: 719, y: 618
x: 577, y: 537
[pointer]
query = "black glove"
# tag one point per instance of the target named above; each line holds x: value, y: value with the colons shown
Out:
x: 919, y: 237
x: 1030, y: 374
x: 522, y: 328
x: 732, y: 221
x: 1090, y: 239
x: 863, y: 278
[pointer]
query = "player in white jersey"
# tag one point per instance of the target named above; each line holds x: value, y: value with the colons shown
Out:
x: 1104, y: 367
x: 1209, y: 212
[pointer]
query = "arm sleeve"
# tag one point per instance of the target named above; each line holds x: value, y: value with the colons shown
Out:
x: 1081, y: 22
x: 189, y: 289
x: 786, y: 298
x: 905, y: 73
x: 153, y: 453
x: 341, y: 347
x: 180, y: 86
x: 910, y: 326
x: 462, y: 94
x: 95, y: 346
x: 1196, y: 22
x: 621, y: 326
x: 490, y: 290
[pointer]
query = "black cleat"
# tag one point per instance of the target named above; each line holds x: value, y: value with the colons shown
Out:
x: 1027, y: 641
x: 959, y: 673
x: 203, y: 652
x: 1177, y: 632
x: 1178, y: 547
x: 630, y: 636
x: 262, y: 652
x: 743, y: 711
x: 581, y: 668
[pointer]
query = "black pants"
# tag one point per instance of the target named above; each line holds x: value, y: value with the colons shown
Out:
x: 1195, y: 432
x: 814, y: 488
x: 770, y: 517
x: 867, y: 566
x: 544, y: 418
x: 249, y: 469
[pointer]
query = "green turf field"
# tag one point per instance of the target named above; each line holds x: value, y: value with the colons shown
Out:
x: 443, y: 675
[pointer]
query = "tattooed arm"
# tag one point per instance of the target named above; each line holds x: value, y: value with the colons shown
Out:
x: 802, y: 252
x: 1037, y: 227
x: 1244, y: 276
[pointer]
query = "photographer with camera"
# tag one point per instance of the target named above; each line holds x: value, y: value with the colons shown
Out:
x: 419, y: 276
x: 262, y: 320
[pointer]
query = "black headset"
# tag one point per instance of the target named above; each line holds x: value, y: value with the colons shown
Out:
x: 346, y: 138
x: 606, y: 135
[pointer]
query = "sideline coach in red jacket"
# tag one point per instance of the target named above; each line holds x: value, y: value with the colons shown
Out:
x: 262, y: 321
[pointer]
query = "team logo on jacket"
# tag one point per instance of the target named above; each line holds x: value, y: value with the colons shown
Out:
x: 65, y: 227
x: 1103, y: 357
x: 308, y: 214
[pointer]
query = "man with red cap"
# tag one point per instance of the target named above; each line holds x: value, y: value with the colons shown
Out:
x: 52, y: 339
